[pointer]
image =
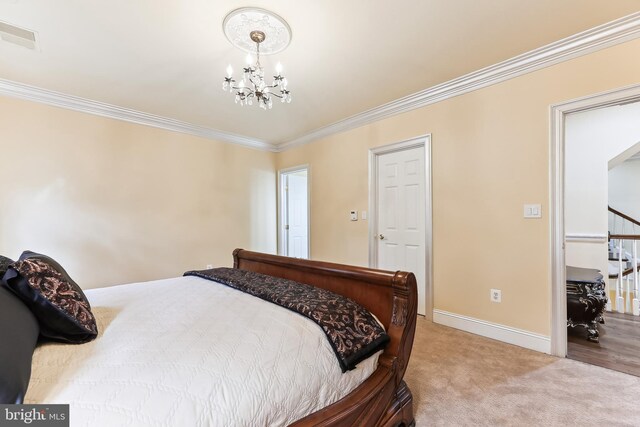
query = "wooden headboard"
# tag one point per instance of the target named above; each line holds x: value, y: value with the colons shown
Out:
x: 391, y: 296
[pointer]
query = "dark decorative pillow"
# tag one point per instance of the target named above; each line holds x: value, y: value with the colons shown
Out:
x: 18, y: 338
x: 4, y: 265
x: 54, y: 298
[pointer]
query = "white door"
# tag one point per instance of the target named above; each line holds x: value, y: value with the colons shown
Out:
x: 294, y: 214
x: 401, y: 215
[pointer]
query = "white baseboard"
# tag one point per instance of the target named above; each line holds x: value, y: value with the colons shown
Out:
x: 495, y: 331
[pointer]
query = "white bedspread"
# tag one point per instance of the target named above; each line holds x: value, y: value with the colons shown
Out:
x: 190, y: 352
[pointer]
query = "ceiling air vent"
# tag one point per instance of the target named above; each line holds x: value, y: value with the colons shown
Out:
x: 16, y: 35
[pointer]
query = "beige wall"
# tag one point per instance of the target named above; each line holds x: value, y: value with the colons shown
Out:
x: 116, y: 202
x: 490, y: 156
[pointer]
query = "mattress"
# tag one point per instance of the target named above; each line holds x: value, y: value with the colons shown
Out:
x: 191, y: 352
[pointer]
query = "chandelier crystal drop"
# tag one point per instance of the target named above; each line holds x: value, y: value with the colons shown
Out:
x: 251, y: 87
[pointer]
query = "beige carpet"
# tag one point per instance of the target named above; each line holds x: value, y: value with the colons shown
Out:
x: 461, y: 379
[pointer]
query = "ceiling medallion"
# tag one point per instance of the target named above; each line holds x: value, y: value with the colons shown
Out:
x: 261, y: 32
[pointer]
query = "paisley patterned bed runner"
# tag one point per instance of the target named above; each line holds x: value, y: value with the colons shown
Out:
x: 352, y: 331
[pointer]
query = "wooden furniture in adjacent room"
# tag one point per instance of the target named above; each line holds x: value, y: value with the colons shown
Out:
x: 586, y: 299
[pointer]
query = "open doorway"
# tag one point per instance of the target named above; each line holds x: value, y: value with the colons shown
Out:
x: 590, y: 137
x: 624, y: 232
x: 293, y: 212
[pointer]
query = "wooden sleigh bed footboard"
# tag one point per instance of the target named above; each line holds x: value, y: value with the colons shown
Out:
x: 383, y: 399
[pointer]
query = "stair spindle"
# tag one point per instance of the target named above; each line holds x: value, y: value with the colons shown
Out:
x: 635, y: 306
x: 619, y: 285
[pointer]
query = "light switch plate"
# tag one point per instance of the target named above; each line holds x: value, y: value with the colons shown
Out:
x: 532, y: 211
x: 354, y: 215
x: 363, y: 215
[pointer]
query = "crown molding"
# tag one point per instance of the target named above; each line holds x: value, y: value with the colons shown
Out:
x: 603, y: 36
x: 57, y: 99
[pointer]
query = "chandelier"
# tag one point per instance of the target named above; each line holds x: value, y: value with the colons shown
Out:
x: 251, y: 86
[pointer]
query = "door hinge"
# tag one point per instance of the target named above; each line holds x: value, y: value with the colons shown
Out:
x: 286, y: 227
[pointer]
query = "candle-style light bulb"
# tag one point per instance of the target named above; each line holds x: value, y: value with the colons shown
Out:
x: 249, y: 59
x: 229, y: 71
x: 278, y: 68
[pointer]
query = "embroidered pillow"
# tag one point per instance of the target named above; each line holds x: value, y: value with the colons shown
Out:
x: 18, y: 338
x: 62, y: 309
x: 4, y: 265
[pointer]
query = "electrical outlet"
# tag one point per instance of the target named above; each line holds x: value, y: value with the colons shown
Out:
x: 209, y: 266
x: 496, y: 295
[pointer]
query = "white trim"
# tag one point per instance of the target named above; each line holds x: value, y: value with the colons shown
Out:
x: 281, y: 243
x: 494, y: 331
x: 558, y: 113
x: 589, y: 41
x: 586, y: 238
x: 558, y: 292
x: 419, y: 141
x: 75, y: 103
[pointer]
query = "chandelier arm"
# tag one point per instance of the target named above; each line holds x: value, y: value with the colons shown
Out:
x: 245, y: 89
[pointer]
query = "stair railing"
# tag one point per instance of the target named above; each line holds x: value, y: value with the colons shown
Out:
x: 623, y: 216
x: 624, y: 239
x: 626, y: 273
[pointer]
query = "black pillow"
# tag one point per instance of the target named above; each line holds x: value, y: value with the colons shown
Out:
x: 18, y: 338
x: 4, y: 265
x: 62, y: 309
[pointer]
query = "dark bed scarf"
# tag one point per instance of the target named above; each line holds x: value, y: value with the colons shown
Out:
x: 353, y: 332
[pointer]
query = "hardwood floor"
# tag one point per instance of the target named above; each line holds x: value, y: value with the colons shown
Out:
x: 619, y: 346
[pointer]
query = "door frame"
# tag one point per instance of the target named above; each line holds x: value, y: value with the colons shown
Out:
x: 280, y: 201
x: 416, y: 142
x: 558, y: 113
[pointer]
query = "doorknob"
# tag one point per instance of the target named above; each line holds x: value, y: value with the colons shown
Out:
x: 381, y: 237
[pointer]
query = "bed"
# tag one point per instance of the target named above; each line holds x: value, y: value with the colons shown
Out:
x: 172, y: 358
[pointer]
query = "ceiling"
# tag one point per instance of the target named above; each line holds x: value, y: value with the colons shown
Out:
x: 168, y: 57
